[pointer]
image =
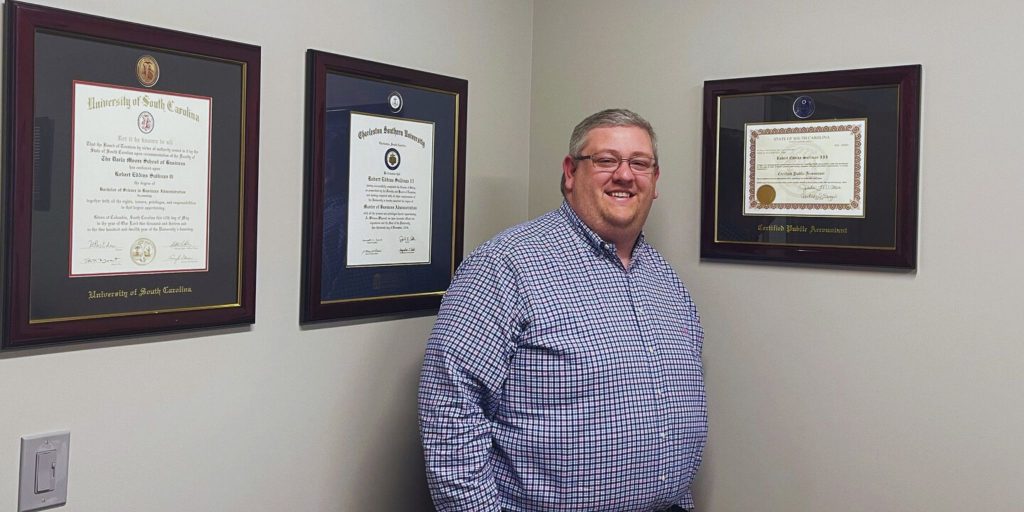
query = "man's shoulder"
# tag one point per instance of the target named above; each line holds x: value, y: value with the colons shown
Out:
x: 514, y: 251
x: 655, y: 255
x: 527, y: 237
x: 659, y: 265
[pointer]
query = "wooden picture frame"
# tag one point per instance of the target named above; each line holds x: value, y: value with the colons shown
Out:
x: 130, y: 178
x: 817, y: 168
x: 384, y: 190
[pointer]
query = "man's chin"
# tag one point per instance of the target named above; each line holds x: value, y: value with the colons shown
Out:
x: 623, y: 222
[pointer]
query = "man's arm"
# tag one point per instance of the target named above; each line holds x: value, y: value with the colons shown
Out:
x: 465, y: 367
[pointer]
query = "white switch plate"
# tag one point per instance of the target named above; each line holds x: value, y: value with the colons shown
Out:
x: 53, y: 449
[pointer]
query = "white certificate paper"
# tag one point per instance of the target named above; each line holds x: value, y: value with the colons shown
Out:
x: 140, y: 174
x: 811, y: 169
x: 391, y: 163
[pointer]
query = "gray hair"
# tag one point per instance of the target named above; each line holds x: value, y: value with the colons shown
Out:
x: 606, y: 118
x: 603, y: 119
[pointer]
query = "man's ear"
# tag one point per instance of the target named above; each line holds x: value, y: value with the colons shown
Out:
x: 568, y: 172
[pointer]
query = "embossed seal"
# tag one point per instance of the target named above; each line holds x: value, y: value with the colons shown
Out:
x: 146, y: 122
x: 392, y: 158
x: 143, y: 251
x: 803, y: 107
x: 395, y: 101
x: 147, y: 70
x: 765, y: 194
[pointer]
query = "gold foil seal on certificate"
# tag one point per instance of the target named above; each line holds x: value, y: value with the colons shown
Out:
x: 147, y: 70
x: 143, y: 251
x: 765, y: 194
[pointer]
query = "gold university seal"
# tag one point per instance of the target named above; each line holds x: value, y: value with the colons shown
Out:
x: 147, y: 70
x: 143, y: 251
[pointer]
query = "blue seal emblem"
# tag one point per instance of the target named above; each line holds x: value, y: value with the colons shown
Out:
x: 392, y: 158
x: 395, y: 102
x: 803, y: 107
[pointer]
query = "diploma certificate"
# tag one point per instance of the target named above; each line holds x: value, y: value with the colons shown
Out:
x: 391, y: 168
x: 140, y: 181
x: 813, y: 168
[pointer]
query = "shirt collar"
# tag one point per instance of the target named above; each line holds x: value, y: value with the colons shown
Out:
x: 590, y: 237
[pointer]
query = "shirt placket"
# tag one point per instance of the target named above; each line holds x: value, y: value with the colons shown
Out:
x: 642, y: 315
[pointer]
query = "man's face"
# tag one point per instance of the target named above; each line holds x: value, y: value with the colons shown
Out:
x: 613, y: 204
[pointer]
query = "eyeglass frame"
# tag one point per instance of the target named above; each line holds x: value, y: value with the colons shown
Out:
x: 629, y: 161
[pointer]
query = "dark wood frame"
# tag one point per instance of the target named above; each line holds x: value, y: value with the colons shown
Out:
x: 23, y: 21
x: 313, y: 305
x: 904, y: 252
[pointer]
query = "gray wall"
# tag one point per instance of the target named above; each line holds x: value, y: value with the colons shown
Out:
x: 276, y: 417
x: 837, y: 390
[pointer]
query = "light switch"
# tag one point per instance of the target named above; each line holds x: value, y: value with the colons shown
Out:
x: 44, y: 471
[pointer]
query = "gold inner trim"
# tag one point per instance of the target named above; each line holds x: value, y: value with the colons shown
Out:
x: 129, y: 313
x: 455, y: 185
x: 241, y: 182
x: 718, y: 132
x: 382, y: 297
x: 871, y: 247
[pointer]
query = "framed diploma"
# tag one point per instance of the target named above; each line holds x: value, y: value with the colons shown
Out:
x: 816, y: 168
x: 130, y: 178
x: 385, y: 179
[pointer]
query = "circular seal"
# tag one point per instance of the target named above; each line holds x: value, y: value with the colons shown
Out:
x: 147, y: 70
x: 395, y: 101
x: 765, y: 194
x: 146, y: 122
x: 803, y: 107
x: 143, y: 251
x: 392, y: 158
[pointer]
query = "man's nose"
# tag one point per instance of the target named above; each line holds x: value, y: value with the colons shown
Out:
x: 623, y: 172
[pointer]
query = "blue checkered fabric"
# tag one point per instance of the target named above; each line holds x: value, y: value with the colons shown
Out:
x: 556, y: 379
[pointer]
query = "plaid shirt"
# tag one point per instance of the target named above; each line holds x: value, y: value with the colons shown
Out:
x: 555, y: 379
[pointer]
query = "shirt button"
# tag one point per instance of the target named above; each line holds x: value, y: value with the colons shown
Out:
x: 651, y: 350
x: 663, y: 478
x: 664, y: 435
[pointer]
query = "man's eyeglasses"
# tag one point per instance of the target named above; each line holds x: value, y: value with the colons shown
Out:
x: 607, y: 162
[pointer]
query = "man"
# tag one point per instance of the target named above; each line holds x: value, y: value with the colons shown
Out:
x: 564, y: 370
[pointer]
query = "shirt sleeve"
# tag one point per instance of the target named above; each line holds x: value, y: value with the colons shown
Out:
x: 693, y: 319
x: 465, y: 366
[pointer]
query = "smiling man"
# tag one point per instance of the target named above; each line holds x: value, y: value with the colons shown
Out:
x: 564, y: 370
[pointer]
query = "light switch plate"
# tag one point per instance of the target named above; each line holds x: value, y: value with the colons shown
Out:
x: 44, y: 465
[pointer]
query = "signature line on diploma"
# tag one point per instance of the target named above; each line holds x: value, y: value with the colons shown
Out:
x: 115, y: 260
x: 182, y: 244
x: 100, y: 244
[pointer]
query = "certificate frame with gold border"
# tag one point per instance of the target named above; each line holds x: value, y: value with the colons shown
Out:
x: 886, y: 100
x: 47, y: 52
x: 339, y: 89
